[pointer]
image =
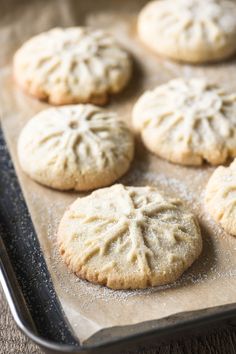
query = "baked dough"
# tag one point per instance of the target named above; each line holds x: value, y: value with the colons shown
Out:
x: 72, y: 65
x: 128, y: 237
x: 220, y: 197
x: 194, y: 31
x: 188, y: 122
x: 79, y: 147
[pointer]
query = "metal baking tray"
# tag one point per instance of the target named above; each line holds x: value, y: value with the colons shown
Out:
x: 35, y: 306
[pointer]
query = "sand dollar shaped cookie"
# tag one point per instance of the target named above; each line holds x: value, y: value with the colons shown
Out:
x: 77, y: 147
x: 189, y: 30
x: 128, y: 237
x: 188, y: 122
x: 220, y: 197
x: 72, y: 65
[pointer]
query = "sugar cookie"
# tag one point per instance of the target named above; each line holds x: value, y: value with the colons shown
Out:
x: 77, y: 147
x: 128, y: 237
x: 188, y: 122
x: 220, y: 197
x: 194, y: 31
x: 72, y: 65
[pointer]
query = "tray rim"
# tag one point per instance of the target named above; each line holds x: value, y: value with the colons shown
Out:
x: 222, y: 313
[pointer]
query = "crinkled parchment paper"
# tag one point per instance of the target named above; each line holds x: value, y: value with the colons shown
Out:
x: 211, y: 280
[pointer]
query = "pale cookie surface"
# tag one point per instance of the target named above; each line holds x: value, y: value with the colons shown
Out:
x: 72, y: 65
x: 188, y: 122
x: 77, y: 147
x: 220, y: 197
x: 128, y: 237
x: 194, y: 31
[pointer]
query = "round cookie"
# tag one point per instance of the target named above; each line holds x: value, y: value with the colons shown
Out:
x: 188, y: 122
x: 194, y: 31
x: 79, y: 147
x: 72, y: 65
x: 128, y: 237
x: 220, y: 197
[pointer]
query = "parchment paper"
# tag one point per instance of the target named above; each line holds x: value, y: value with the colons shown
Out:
x: 211, y: 280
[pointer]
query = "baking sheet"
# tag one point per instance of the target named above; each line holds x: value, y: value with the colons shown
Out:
x: 211, y: 280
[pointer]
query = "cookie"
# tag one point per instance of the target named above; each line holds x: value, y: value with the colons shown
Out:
x: 188, y: 122
x: 79, y: 147
x: 72, y: 65
x: 194, y: 31
x: 220, y: 197
x: 128, y: 237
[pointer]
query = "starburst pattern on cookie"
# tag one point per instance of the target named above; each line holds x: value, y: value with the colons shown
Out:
x: 189, y: 30
x: 128, y: 237
x: 188, y: 121
x: 72, y: 65
x: 80, y: 147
